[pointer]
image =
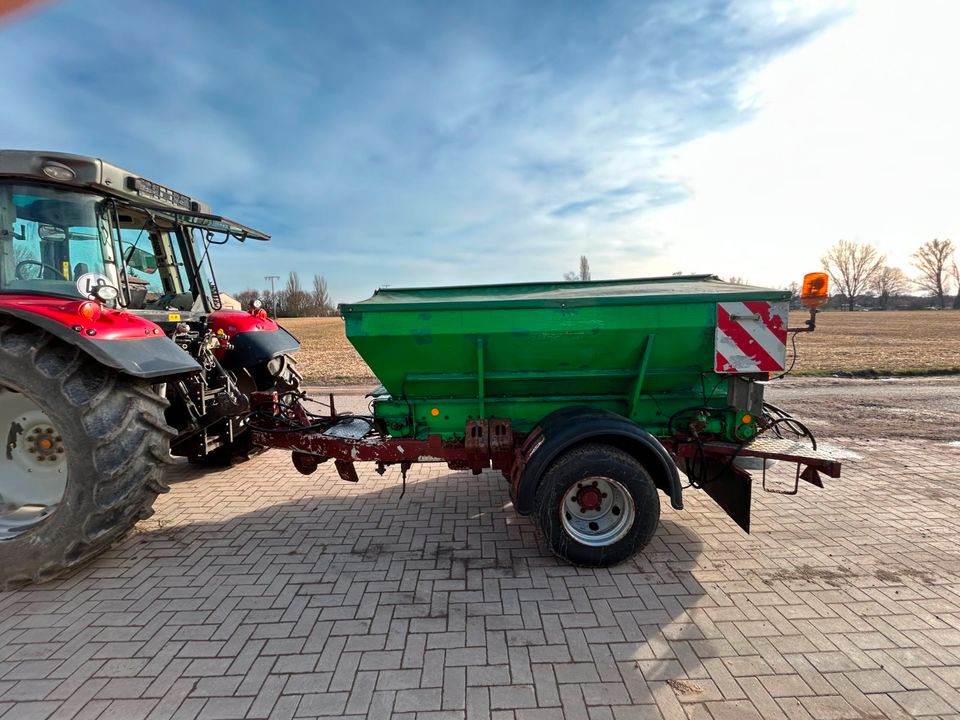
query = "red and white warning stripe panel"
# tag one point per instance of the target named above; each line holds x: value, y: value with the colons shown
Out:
x: 751, y: 337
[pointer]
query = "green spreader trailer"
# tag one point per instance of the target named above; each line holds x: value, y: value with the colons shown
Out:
x: 589, y: 397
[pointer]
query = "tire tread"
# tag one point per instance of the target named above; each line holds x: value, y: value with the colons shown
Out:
x: 130, y: 474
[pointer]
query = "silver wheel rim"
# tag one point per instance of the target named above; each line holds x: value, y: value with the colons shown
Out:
x: 597, y: 511
x: 33, y: 464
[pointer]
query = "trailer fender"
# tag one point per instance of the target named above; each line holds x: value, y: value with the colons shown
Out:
x: 127, y: 349
x: 571, y: 426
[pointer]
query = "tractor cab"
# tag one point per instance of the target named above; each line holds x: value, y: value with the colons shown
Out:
x: 79, y: 227
x: 83, y: 239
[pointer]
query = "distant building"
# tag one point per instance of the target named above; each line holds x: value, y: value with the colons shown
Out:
x: 229, y: 302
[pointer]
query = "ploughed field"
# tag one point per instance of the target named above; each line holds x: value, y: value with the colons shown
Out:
x: 326, y: 356
x: 897, y: 343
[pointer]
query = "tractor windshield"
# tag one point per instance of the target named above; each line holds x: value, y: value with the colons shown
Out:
x: 53, y: 242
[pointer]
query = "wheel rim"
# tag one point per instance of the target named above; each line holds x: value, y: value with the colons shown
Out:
x: 33, y: 464
x: 597, y: 511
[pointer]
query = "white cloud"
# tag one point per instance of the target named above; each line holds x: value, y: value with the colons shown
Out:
x: 413, y: 147
x: 856, y: 135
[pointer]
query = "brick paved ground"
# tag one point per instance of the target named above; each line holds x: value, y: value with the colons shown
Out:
x: 255, y: 592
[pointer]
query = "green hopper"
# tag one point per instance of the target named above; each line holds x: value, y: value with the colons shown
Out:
x: 643, y: 348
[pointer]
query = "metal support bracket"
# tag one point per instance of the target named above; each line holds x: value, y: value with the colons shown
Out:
x: 346, y: 470
x: 641, y: 375
x: 481, y: 397
x: 792, y: 491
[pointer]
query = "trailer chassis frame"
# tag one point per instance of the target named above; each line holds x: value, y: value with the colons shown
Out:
x: 494, y: 444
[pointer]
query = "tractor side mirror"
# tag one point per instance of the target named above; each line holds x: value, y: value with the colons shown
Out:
x: 142, y: 260
x: 51, y: 232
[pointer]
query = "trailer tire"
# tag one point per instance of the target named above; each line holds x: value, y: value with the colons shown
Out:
x: 596, y: 505
x: 106, y: 447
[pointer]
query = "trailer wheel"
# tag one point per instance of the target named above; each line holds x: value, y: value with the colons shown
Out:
x: 596, y: 506
x: 83, y: 458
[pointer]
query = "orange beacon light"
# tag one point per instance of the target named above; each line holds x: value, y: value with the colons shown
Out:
x: 815, y: 288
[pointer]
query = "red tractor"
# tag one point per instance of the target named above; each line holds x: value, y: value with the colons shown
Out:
x: 115, y: 353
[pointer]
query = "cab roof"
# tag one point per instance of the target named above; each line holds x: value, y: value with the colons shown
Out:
x: 82, y: 171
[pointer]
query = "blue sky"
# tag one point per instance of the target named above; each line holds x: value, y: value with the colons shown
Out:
x: 422, y: 143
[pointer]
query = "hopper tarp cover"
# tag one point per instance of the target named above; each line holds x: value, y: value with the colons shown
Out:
x: 672, y: 289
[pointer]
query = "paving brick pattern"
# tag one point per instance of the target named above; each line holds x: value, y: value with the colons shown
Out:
x: 255, y: 592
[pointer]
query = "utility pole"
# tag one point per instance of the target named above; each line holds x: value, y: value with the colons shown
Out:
x: 273, y: 291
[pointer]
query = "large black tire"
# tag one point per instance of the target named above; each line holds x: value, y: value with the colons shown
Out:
x: 622, y: 521
x: 116, y: 447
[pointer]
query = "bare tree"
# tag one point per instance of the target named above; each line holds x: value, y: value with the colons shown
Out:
x: 794, y: 290
x: 737, y: 280
x: 271, y: 300
x: 23, y: 252
x: 889, y: 282
x: 321, y: 297
x: 295, y: 300
x: 852, y: 266
x: 246, y: 298
x: 584, y: 273
x: 955, y: 271
x: 932, y: 260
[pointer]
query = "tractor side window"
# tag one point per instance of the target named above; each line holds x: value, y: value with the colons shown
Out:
x: 85, y: 253
x: 196, y: 244
x: 140, y: 261
x: 26, y: 242
x: 176, y: 247
x: 155, y: 265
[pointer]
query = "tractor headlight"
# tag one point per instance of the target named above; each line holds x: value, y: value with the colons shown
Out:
x: 105, y: 293
x: 58, y: 171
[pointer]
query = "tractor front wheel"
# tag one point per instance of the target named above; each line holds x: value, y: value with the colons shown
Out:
x: 84, y: 452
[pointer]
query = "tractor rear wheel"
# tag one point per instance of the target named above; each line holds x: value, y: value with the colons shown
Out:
x: 596, y: 506
x: 84, y: 453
